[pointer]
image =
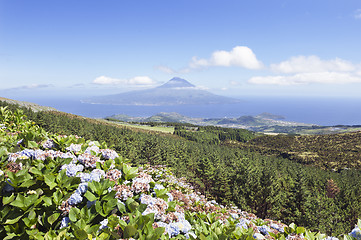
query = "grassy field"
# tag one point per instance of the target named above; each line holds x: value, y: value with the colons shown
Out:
x: 162, y: 129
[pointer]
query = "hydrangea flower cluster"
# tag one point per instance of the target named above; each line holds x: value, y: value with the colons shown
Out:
x: 92, y: 148
x: 356, y: 233
x: 89, y: 160
x: 49, y: 144
x: 39, y: 154
x: 109, y: 154
x: 141, y: 183
x: 94, y: 175
x: 155, y: 205
x: 75, y: 148
x: 84, y: 165
x: 123, y: 192
x: 72, y: 169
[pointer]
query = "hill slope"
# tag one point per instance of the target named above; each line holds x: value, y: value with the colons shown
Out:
x: 272, y: 188
x: 33, y: 106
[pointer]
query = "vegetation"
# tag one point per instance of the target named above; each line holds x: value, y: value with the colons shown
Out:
x: 270, y: 187
x: 333, y: 151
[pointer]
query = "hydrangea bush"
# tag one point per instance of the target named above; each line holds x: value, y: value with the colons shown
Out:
x: 64, y: 187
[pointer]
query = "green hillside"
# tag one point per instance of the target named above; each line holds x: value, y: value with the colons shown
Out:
x: 331, y: 151
x: 268, y: 186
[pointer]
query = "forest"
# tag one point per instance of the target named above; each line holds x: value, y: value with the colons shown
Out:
x: 238, y: 167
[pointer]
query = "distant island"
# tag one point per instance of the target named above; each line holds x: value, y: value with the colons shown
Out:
x: 262, y: 121
x: 176, y: 91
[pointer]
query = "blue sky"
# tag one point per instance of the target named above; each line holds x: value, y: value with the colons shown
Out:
x: 230, y: 47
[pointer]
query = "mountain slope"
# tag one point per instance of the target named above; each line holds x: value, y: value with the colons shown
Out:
x: 176, y: 91
x: 33, y: 106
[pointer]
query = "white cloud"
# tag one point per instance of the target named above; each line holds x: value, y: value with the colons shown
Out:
x: 301, y: 64
x: 239, y: 56
x: 139, y: 80
x: 307, y: 78
x: 31, y: 87
x: 311, y: 69
x: 357, y: 14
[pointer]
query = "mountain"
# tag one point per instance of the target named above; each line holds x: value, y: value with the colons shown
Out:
x: 176, y: 91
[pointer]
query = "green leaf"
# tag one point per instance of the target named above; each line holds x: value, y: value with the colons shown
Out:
x: 171, y: 206
x: 32, y: 144
x: 7, y: 200
x: 14, y: 218
x: 91, y: 197
x: 142, y: 207
x: 19, y: 202
x: 10, y: 236
x: 129, y: 172
x: 73, y: 214
x: 35, y: 171
x: 132, y: 205
x: 30, y: 200
x: 57, y: 197
x: 32, y: 215
x: 47, y: 201
x: 99, y: 208
x: 81, y: 234
x: 202, y: 237
x: 52, y: 218
x: 109, y: 206
x: 50, y: 181
x: 121, y: 207
x: 129, y: 231
x: 28, y: 183
x: 300, y: 230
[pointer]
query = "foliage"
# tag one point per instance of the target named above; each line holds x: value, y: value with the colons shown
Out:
x: 332, y: 152
x: 270, y: 187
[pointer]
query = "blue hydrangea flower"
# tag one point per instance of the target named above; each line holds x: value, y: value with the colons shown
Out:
x: 27, y: 153
x: 258, y: 236
x: 356, y: 233
x: 72, y: 169
x: 75, y: 198
x: 280, y: 228
x: 331, y: 238
x: 103, y: 224
x: 97, y: 174
x: 190, y: 234
x: 158, y: 187
x: 74, y: 147
x: 85, y: 177
x: 91, y: 149
x: 19, y: 142
x: 109, y: 154
x: 243, y: 223
x: 64, y: 222
x: 184, y: 226
x: 82, y: 188
x: 173, y: 229
x: 170, y: 197
x: 48, y: 144
x: 264, y: 229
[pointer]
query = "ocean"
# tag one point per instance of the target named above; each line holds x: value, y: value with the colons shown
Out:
x: 321, y: 111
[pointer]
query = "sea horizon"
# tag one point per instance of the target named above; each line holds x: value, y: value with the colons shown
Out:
x: 325, y: 111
